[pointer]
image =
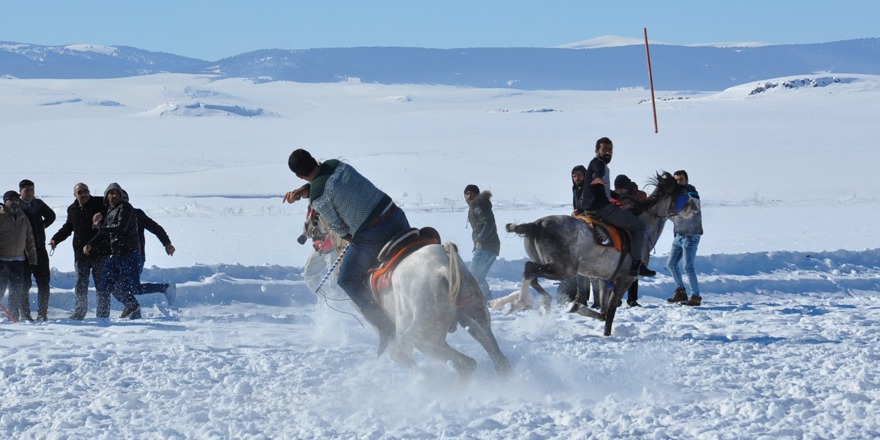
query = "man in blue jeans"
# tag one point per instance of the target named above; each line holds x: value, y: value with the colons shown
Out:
x: 487, y: 246
x: 688, y: 230
x: 358, y: 211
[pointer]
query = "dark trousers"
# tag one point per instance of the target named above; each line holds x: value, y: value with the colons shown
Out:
x: 626, y: 220
x: 120, y: 278
x: 94, y: 265
x: 18, y: 298
x: 41, y: 273
x: 360, y: 256
x: 144, y: 288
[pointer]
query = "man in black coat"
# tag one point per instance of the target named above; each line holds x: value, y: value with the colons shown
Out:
x: 40, y: 216
x: 121, y: 276
x: 79, y: 223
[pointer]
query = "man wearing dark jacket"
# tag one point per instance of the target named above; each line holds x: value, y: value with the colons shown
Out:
x: 146, y: 223
x: 120, y: 277
x: 487, y: 246
x: 79, y: 223
x: 41, y: 216
x: 569, y: 289
x: 597, y: 201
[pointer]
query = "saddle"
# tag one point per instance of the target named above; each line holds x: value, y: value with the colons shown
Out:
x: 399, y: 247
x: 607, y: 235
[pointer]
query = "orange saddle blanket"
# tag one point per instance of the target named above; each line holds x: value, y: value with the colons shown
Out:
x: 395, y: 251
x: 606, y: 235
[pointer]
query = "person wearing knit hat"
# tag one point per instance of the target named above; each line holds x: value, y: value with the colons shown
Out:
x: 16, y: 250
x: 121, y: 275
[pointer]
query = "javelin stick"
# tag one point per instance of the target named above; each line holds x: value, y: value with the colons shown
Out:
x: 8, y: 314
x: 651, y: 79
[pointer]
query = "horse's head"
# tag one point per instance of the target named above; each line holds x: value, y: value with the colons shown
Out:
x: 668, y: 198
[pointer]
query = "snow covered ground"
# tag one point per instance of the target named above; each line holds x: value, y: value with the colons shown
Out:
x: 785, y: 345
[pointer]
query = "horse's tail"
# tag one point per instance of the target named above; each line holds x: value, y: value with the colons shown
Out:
x: 524, y: 229
x: 453, y: 270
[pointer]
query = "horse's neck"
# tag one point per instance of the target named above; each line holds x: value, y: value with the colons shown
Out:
x: 654, y: 227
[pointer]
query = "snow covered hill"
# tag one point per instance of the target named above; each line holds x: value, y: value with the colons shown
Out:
x: 702, y: 67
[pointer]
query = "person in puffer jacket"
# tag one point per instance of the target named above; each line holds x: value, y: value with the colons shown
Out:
x: 121, y: 275
x: 358, y: 211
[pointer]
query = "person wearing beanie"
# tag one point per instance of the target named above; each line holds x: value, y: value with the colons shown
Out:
x: 487, y: 246
x: 41, y: 216
x: 79, y: 223
x: 17, y: 248
x: 597, y: 201
x: 145, y: 223
x: 625, y: 191
x: 121, y: 276
x: 358, y: 211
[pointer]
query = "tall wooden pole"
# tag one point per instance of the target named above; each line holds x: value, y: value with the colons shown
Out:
x: 651, y: 79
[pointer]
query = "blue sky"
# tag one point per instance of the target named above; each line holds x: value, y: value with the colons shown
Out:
x: 211, y: 30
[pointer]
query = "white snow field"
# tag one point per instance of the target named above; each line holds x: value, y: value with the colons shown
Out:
x: 786, y: 344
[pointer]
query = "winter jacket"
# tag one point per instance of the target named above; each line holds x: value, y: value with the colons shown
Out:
x: 598, y: 196
x: 146, y: 223
x: 16, y: 236
x: 576, y: 198
x: 691, y: 223
x: 79, y: 223
x: 40, y: 216
x: 482, y: 222
x: 120, y: 228
x: 348, y: 201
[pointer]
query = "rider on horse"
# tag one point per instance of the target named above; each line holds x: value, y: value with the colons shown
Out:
x: 358, y: 211
x: 597, y: 201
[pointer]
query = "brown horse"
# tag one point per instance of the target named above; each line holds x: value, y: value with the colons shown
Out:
x: 561, y: 246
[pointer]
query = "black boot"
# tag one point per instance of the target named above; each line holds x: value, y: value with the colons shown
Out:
x: 639, y: 269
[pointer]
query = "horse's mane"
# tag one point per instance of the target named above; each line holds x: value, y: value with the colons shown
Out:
x: 665, y: 186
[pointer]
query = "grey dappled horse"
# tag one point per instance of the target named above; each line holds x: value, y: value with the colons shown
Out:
x: 432, y: 291
x: 561, y: 246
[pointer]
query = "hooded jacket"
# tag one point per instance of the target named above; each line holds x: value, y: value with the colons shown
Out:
x: 120, y: 226
x: 482, y: 222
x: 79, y: 223
x: 16, y: 237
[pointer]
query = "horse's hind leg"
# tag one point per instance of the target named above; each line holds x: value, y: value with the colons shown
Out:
x: 478, y: 323
x: 614, y: 297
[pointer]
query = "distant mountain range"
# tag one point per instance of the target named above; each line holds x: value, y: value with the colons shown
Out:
x: 601, y: 67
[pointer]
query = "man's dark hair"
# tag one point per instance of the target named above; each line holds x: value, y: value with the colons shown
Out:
x: 25, y: 183
x: 603, y: 140
x: 682, y: 173
x: 301, y: 162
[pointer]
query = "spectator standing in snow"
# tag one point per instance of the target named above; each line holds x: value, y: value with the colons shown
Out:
x: 597, y: 201
x: 688, y: 230
x: 16, y: 250
x: 487, y: 246
x: 121, y: 275
x: 323, y: 254
x: 356, y: 210
x: 40, y: 216
x: 80, y: 215
x: 625, y: 190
